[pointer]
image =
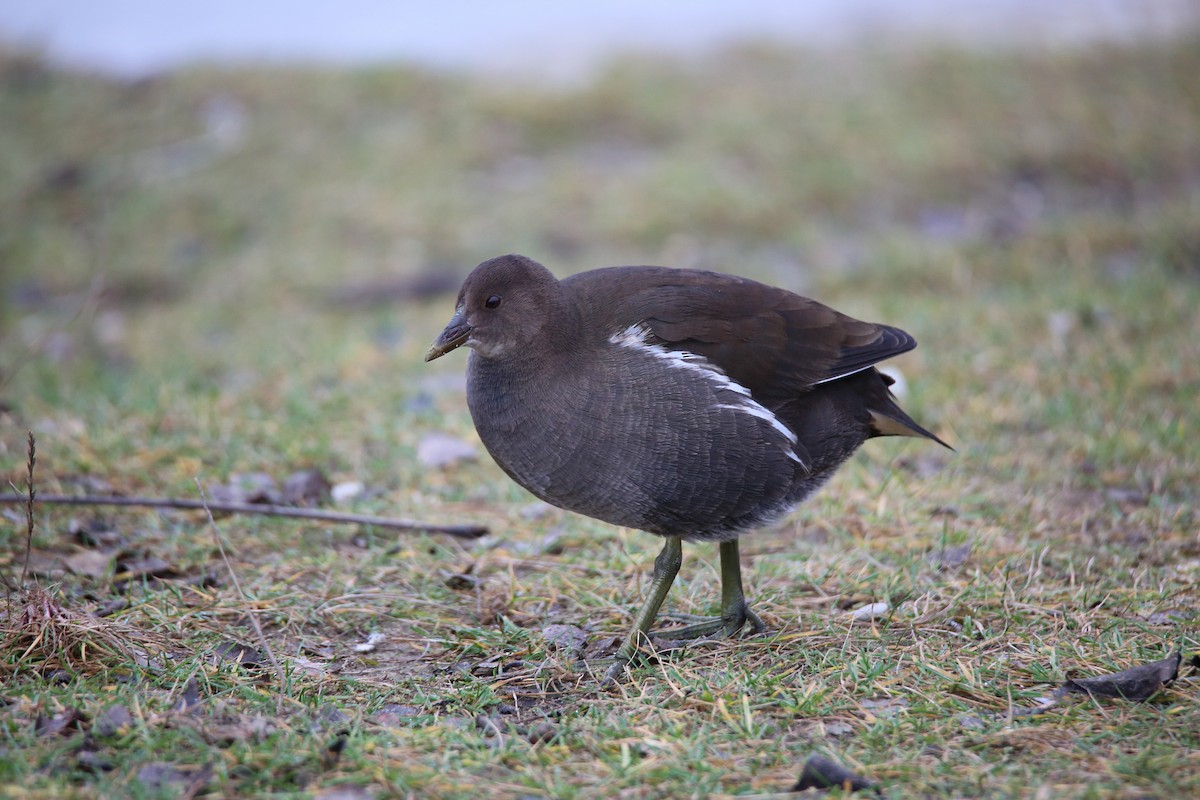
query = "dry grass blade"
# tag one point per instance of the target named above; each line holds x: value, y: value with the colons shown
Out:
x: 262, y: 637
x: 39, y: 634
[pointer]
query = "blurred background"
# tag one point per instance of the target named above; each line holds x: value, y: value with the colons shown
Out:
x: 540, y: 39
x: 210, y: 208
x: 230, y: 230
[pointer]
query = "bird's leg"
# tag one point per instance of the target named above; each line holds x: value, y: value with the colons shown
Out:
x: 666, y: 567
x: 735, y: 613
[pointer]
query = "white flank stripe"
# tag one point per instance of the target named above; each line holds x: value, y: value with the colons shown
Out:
x: 635, y: 337
x: 844, y: 375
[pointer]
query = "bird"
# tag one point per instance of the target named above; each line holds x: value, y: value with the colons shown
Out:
x: 693, y: 405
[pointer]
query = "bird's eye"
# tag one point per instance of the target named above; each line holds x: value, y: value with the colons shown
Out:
x: 492, y: 301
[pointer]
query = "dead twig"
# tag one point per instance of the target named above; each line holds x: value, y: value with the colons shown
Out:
x: 30, y: 493
x: 460, y: 531
x: 262, y: 637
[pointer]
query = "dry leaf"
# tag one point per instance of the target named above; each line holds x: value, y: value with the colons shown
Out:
x: 394, y: 716
x: 885, y: 706
x: 160, y: 775
x: 461, y: 581
x: 189, y: 698
x: 95, y: 532
x: 823, y: 773
x: 950, y: 557
x: 308, y: 487
x: 254, y: 728
x: 1136, y: 683
x: 112, y: 720
x: 247, y: 487
x: 1170, y: 616
x: 568, y: 638
x: 307, y: 665
x: 237, y: 653
x: 63, y: 723
x: 92, y: 563
x: 47, y: 564
x: 148, y: 567
x: 541, y: 732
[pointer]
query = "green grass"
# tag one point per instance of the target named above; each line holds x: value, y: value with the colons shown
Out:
x: 168, y: 315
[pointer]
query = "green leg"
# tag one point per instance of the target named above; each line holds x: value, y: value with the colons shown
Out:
x: 735, y: 613
x: 666, y: 567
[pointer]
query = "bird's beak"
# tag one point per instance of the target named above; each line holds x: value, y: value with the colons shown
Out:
x: 454, y: 335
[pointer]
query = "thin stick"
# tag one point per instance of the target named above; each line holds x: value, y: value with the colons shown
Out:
x: 461, y: 531
x: 262, y: 637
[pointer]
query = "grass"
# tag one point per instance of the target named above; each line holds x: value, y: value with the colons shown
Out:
x: 171, y: 312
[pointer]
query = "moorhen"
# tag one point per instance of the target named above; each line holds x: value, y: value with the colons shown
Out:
x: 689, y: 404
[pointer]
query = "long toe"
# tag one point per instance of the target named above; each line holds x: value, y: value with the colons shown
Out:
x: 613, y: 669
x: 723, y: 627
x: 699, y: 628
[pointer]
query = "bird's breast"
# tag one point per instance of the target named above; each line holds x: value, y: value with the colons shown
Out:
x: 654, y: 440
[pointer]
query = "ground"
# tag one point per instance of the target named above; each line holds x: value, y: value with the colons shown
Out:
x: 217, y: 273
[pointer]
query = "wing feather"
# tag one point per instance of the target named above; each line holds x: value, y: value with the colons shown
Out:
x: 775, y: 343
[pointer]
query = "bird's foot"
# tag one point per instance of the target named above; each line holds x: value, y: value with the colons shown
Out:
x: 615, y: 671
x: 741, y: 619
x: 725, y: 626
x: 612, y: 668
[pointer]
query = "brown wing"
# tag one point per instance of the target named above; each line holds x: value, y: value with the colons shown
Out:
x: 775, y: 343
